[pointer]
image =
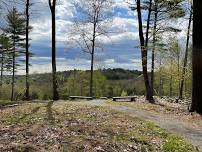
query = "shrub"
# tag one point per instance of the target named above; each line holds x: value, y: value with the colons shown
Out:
x: 124, y: 93
x: 45, y: 97
x: 34, y: 95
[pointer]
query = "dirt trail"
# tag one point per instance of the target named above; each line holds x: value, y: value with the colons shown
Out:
x: 192, y: 134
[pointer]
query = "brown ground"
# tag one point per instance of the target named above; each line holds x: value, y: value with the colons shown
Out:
x: 65, y: 126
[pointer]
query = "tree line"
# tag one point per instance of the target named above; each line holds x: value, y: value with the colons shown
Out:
x: 162, y: 10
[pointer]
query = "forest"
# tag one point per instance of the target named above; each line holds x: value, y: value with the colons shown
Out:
x: 138, y: 61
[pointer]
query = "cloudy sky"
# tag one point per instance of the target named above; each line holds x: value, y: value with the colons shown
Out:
x: 119, y: 51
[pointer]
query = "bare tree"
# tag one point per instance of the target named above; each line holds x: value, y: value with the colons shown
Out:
x: 90, y: 26
x: 186, y: 55
x: 52, y: 5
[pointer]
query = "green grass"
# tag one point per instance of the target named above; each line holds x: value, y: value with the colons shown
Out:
x: 74, y: 126
x: 176, y: 144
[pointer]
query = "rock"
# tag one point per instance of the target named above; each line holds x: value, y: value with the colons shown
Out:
x: 99, y: 149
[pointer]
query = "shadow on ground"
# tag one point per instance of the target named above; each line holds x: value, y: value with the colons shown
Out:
x: 50, y: 115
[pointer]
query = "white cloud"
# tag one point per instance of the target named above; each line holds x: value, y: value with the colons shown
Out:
x: 64, y: 13
x: 124, y: 24
x: 122, y: 4
x: 109, y: 61
x: 64, y: 64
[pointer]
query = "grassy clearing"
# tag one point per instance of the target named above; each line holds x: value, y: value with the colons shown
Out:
x: 69, y: 126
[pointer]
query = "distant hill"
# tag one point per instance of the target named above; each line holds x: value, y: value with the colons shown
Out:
x: 110, y: 74
x: 110, y: 82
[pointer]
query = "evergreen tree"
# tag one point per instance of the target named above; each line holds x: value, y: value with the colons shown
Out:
x: 144, y: 46
x: 5, y: 60
x: 27, y: 45
x: 162, y: 12
x: 16, y: 31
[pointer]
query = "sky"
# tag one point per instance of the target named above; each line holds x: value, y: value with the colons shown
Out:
x: 119, y: 51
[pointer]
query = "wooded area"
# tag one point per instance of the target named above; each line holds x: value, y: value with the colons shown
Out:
x: 170, y: 59
x: 99, y: 107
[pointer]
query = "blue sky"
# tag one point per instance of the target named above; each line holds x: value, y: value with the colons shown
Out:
x: 119, y: 52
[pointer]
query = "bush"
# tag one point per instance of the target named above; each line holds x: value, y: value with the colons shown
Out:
x: 64, y: 97
x: 45, y: 97
x: 124, y: 93
x: 34, y: 95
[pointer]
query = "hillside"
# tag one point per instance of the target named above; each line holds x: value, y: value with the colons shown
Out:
x: 108, y: 82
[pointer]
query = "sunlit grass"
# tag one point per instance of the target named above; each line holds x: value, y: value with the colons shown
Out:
x: 74, y: 126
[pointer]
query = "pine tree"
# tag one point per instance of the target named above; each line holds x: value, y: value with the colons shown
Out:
x: 162, y: 12
x: 5, y: 60
x: 144, y: 46
x: 16, y: 31
x: 27, y: 45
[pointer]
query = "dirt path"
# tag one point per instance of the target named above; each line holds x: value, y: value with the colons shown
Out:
x: 192, y: 134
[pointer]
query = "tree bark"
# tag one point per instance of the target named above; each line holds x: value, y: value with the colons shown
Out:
x: 91, y: 74
x: 27, y: 96
x: 154, y: 47
x: 92, y: 62
x: 2, y: 68
x: 185, y: 58
x: 13, y: 72
x: 171, y: 85
x: 178, y: 72
x: 197, y: 58
x: 92, y: 55
x: 144, y: 49
x: 171, y: 79
x: 160, y: 78
x: 54, y: 77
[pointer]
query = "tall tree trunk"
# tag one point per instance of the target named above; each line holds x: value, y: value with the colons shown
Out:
x: 13, y: 74
x: 2, y: 68
x: 154, y: 47
x: 171, y: 80
x: 160, y: 78
x: 144, y: 48
x: 92, y: 57
x: 185, y: 58
x: 27, y: 97
x: 178, y: 74
x: 91, y: 74
x: 186, y: 86
x: 171, y: 85
x: 54, y: 77
x: 197, y: 58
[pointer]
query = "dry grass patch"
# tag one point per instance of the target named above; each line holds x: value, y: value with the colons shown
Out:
x: 65, y: 126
